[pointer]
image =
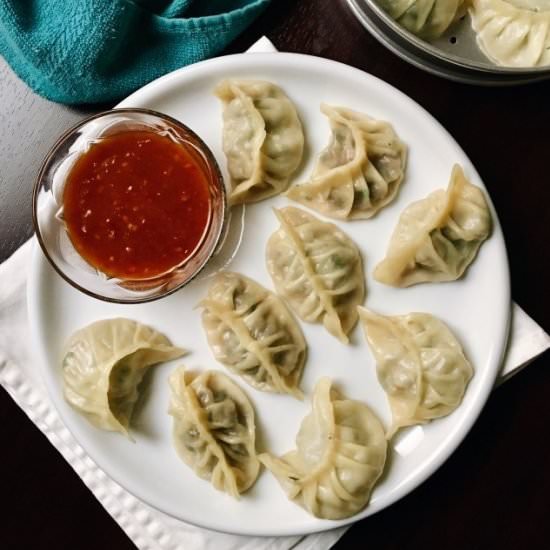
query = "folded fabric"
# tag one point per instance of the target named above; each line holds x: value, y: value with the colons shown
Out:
x: 89, y: 51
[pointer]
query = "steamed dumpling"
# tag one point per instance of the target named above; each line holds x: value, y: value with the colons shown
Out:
x: 420, y: 365
x: 513, y: 33
x: 426, y: 18
x: 214, y: 429
x: 359, y: 172
x: 253, y: 334
x: 438, y: 237
x: 317, y: 268
x: 104, y: 364
x: 263, y: 138
x: 340, y: 454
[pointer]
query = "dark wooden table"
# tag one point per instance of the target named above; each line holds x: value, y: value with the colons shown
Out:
x: 494, y: 491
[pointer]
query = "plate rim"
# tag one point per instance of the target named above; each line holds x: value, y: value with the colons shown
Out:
x: 38, y: 262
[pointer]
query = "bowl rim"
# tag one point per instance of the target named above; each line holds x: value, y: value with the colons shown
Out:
x: 487, y: 67
x: 426, y: 62
x: 217, y: 178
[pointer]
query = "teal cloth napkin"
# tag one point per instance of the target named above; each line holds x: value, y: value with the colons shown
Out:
x: 89, y: 51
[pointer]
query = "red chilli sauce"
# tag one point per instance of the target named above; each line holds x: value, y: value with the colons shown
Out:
x: 136, y: 205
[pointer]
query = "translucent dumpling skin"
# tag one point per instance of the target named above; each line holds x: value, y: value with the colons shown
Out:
x: 438, y: 237
x: 428, y: 19
x: 263, y: 138
x: 103, y: 365
x: 214, y: 429
x: 513, y: 33
x: 253, y: 334
x: 359, y: 172
x: 318, y: 269
x: 340, y: 454
x: 420, y: 365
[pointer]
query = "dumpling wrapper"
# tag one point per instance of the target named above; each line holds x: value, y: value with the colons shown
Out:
x: 359, y: 172
x: 318, y: 269
x: 214, y: 429
x: 263, y: 138
x: 103, y: 365
x: 340, y: 454
x: 253, y: 334
x: 438, y: 237
x: 420, y: 365
x: 428, y: 19
x: 513, y: 33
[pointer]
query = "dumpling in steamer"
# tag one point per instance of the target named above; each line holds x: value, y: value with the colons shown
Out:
x: 359, y: 172
x: 263, y: 138
x: 513, y: 33
x: 214, y: 429
x: 104, y: 364
x: 438, y: 237
x: 428, y: 19
x: 340, y: 454
x: 317, y: 268
x: 253, y: 334
x: 420, y: 365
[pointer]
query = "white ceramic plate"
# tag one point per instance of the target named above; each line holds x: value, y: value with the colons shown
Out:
x: 476, y: 308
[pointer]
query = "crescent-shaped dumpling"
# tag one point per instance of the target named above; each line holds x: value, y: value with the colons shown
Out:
x: 318, y: 269
x: 513, y: 33
x: 253, y: 334
x: 359, y: 172
x: 104, y: 364
x: 438, y: 237
x: 428, y: 19
x: 420, y: 365
x: 263, y: 138
x: 340, y: 454
x: 214, y: 429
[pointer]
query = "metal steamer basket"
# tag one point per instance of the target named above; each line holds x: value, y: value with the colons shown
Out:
x: 455, y: 55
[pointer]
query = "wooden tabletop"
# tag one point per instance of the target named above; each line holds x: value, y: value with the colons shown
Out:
x: 494, y: 491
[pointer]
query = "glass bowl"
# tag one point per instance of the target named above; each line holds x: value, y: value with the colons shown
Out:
x: 51, y: 229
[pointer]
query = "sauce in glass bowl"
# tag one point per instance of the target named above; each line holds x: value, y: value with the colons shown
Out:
x: 129, y: 205
x: 136, y: 204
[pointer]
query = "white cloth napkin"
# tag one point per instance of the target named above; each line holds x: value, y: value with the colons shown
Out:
x: 146, y: 527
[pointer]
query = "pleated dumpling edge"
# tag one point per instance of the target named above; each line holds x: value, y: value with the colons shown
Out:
x: 438, y: 237
x: 214, y: 429
x: 263, y: 138
x: 340, y: 455
x: 318, y: 269
x: 103, y: 365
x: 359, y: 172
x: 420, y: 365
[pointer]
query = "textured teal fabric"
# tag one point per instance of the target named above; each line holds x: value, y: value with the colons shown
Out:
x: 89, y: 51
